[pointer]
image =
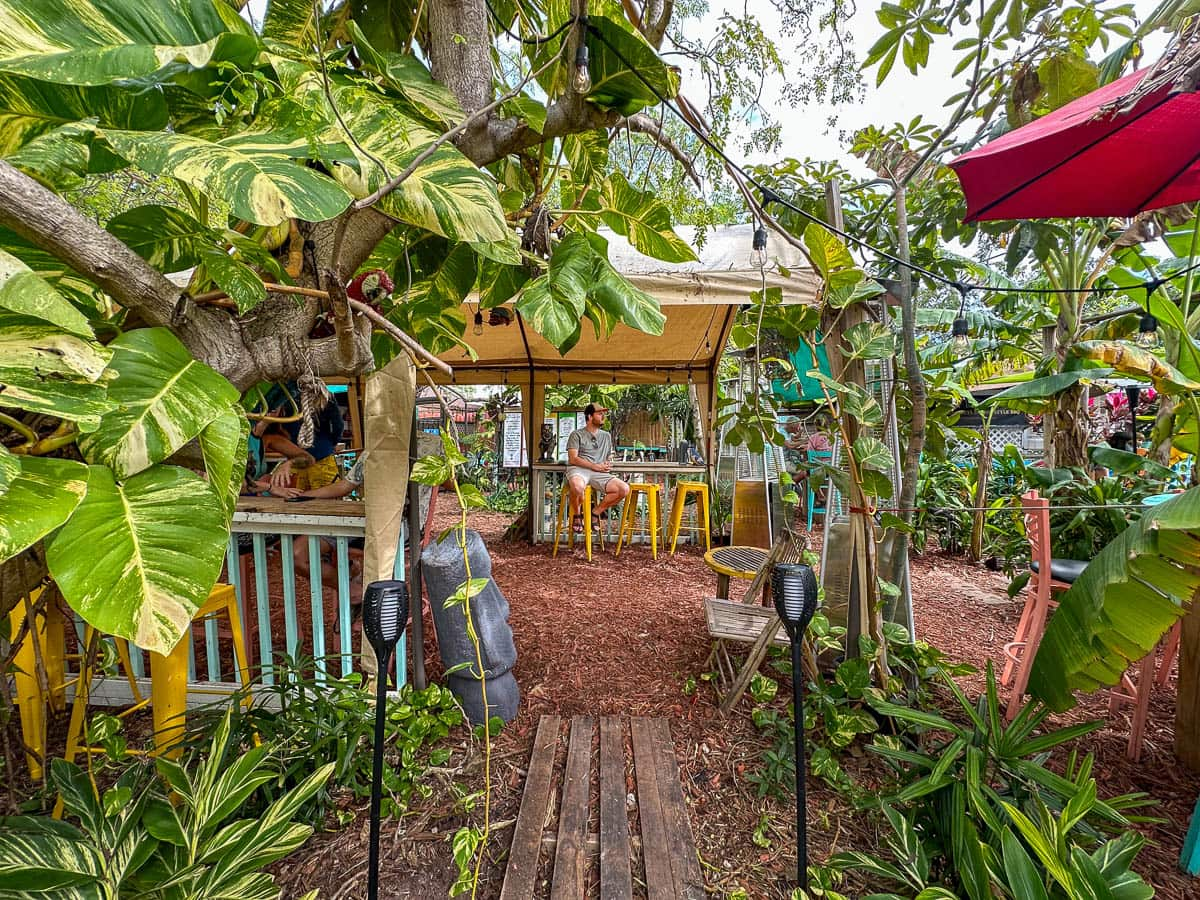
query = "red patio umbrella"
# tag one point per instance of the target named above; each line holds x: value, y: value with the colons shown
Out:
x: 1082, y: 160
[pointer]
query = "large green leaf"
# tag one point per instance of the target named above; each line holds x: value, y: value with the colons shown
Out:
x: 447, y: 194
x: 1129, y: 359
x: 642, y: 218
x: 431, y: 310
x: 93, y: 42
x: 1127, y: 598
x: 164, y: 236
x: 407, y: 74
x: 292, y: 22
x: 24, y: 292
x: 69, y: 283
x: 550, y: 313
x: 37, y: 860
x: 223, y: 443
x: 165, y: 398
x: 40, y: 497
x: 44, y: 369
x: 137, y: 558
x: 614, y: 84
x: 257, y: 173
x: 624, y: 302
x: 10, y: 468
x: 30, y: 108
x: 1037, y: 395
x: 826, y: 250
x: 1066, y: 77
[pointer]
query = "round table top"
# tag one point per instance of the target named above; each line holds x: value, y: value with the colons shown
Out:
x: 739, y: 562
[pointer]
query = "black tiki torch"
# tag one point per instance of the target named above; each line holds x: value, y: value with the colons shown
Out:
x: 385, y: 612
x: 794, y: 587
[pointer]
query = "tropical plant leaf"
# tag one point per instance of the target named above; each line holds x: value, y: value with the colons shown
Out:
x: 42, y: 862
x: 408, y: 75
x: 257, y: 173
x: 136, y: 559
x: 10, y: 468
x: 1112, y: 329
x: 291, y: 22
x: 223, y: 443
x: 554, y: 303
x: 447, y: 194
x: 93, y: 42
x: 872, y: 453
x: 40, y: 495
x: 1036, y: 395
x: 234, y: 277
x: 614, y: 84
x: 24, y: 292
x: 1129, y: 359
x: 431, y: 310
x: 44, y: 369
x: 164, y: 236
x: 623, y: 301
x: 60, y: 276
x: 827, y: 251
x: 165, y: 398
x: 644, y: 219
x: 870, y: 340
x: 1127, y: 598
x: 30, y: 108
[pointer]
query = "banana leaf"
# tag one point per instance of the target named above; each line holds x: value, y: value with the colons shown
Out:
x: 1118, y: 610
x: 1036, y: 396
x: 1129, y: 359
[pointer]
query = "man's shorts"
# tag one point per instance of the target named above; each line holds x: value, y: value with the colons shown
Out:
x: 597, y: 480
x: 319, y: 474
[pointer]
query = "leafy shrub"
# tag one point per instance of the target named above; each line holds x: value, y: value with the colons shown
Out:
x: 309, y: 723
x: 133, y: 841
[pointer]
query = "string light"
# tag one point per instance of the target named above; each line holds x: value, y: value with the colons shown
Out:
x: 758, y: 251
x: 1147, y: 336
x: 582, y: 79
x: 960, y: 330
x: 478, y: 329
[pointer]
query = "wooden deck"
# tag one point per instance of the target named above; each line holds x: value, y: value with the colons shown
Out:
x: 573, y: 837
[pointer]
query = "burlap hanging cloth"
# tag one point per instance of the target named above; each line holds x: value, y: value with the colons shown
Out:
x: 388, y: 411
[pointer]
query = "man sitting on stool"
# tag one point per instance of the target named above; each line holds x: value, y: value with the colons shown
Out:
x: 589, y: 454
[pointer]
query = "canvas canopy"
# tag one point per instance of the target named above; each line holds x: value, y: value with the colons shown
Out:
x: 699, y: 299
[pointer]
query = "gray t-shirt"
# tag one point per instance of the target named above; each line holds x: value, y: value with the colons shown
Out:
x: 596, y: 448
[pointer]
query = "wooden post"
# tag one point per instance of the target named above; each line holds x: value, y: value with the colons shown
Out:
x: 1187, y: 707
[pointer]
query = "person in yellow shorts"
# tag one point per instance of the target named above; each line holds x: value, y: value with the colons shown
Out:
x: 305, y: 468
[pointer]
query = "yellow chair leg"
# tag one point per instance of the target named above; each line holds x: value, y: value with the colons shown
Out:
x: 625, y: 507
x: 168, y: 698
x: 53, y: 649
x: 704, y: 503
x: 655, y: 522
x: 28, y: 695
x: 587, y: 520
x: 676, y: 519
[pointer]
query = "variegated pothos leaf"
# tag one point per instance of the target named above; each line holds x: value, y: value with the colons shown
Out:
x: 165, y: 398
x: 137, y: 558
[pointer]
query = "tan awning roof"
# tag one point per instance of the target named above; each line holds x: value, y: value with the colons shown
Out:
x: 699, y: 300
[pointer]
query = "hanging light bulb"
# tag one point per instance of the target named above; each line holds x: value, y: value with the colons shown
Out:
x: 960, y: 335
x: 1147, y: 336
x: 581, y: 80
x: 478, y: 329
x: 758, y: 251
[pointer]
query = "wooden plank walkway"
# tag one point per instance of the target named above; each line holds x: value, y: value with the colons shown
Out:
x: 583, y: 822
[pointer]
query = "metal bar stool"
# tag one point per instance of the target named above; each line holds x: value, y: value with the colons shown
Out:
x: 564, y: 511
x: 629, y: 515
x: 682, y: 490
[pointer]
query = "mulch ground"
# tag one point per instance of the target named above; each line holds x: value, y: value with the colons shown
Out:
x: 623, y: 637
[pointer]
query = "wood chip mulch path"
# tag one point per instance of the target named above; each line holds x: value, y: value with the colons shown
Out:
x: 623, y: 637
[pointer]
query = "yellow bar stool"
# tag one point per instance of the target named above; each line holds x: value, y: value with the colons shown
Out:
x: 168, y: 681
x: 683, y: 489
x: 561, y: 521
x: 629, y: 515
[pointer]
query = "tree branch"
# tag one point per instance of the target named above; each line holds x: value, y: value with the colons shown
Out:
x: 642, y: 123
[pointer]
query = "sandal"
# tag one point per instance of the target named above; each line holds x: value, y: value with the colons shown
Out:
x: 577, y: 523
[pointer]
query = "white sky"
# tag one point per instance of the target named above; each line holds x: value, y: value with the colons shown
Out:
x: 902, y: 96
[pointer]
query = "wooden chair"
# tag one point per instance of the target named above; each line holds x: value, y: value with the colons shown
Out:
x: 1048, y: 575
x: 756, y: 625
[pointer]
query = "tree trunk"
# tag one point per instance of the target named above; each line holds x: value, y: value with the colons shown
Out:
x: 460, y: 50
x: 1070, y: 428
x: 1164, y: 427
x: 920, y: 412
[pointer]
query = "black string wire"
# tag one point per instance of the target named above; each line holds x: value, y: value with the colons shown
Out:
x: 770, y: 196
x: 536, y: 39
